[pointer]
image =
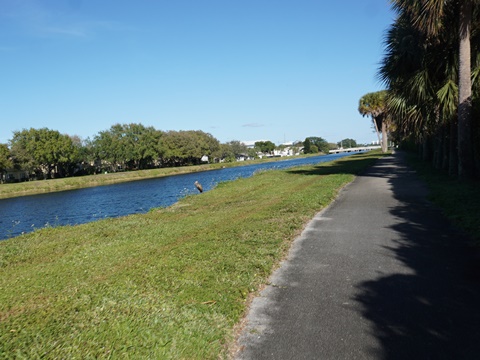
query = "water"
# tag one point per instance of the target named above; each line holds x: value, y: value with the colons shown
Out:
x: 25, y: 214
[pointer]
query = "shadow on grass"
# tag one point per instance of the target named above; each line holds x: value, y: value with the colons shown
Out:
x: 433, y: 313
x: 354, y: 164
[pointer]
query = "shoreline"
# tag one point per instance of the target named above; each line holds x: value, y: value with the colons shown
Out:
x: 74, y: 183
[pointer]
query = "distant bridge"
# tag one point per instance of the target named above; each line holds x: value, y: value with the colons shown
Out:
x: 355, y: 149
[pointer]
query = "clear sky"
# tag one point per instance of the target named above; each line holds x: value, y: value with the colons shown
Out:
x: 277, y: 70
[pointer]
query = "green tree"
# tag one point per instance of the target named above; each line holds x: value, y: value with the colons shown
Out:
x: 5, y: 160
x: 231, y: 150
x: 149, y: 149
x: 265, y: 147
x: 252, y: 153
x: 332, y: 146
x: 225, y: 153
x: 188, y: 147
x: 90, y: 156
x: 238, y: 148
x: 314, y: 144
x: 44, y: 151
x: 374, y: 105
x: 107, y: 149
x: 347, y: 143
x: 307, y: 146
x: 129, y: 146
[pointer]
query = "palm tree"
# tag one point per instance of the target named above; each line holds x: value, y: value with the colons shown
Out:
x: 373, y: 104
x: 431, y: 17
x: 421, y: 75
x: 465, y: 145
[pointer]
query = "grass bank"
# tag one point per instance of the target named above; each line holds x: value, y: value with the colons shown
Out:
x: 71, y: 183
x: 459, y: 200
x: 169, y: 284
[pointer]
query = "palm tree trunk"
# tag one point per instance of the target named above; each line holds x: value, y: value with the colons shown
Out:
x: 453, y: 152
x: 465, y: 146
x: 384, y: 136
x: 437, y: 142
x: 374, y: 119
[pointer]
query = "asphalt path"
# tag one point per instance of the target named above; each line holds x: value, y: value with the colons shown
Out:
x: 379, y: 274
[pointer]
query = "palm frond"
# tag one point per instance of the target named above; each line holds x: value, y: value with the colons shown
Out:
x: 448, y: 99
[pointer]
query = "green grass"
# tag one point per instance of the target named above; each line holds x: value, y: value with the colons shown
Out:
x: 169, y: 284
x: 459, y: 200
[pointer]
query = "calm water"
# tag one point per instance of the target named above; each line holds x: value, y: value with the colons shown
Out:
x: 25, y: 214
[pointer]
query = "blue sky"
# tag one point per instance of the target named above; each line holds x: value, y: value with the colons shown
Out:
x: 277, y: 70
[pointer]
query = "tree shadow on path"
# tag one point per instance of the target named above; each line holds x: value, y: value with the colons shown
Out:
x: 432, y: 311
x: 354, y: 164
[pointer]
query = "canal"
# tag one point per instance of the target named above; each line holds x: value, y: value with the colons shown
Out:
x: 28, y: 213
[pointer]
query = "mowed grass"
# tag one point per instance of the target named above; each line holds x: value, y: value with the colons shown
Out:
x: 169, y: 284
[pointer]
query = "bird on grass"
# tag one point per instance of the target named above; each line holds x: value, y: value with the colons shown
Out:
x: 198, y: 186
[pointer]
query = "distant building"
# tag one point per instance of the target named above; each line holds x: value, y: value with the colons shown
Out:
x: 287, y: 149
x: 12, y: 176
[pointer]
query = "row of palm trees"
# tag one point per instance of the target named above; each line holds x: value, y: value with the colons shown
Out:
x: 430, y: 68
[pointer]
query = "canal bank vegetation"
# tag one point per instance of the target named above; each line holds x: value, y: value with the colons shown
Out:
x: 71, y: 183
x: 40, y: 154
x: 171, y: 283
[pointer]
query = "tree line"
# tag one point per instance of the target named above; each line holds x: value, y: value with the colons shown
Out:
x: 431, y: 69
x: 45, y: 153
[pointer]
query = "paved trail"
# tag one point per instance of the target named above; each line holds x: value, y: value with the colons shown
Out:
x: 379, y: 274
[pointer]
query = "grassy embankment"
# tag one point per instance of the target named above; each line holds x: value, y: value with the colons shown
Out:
x: 171, y: 283
x: 460, y: 201
x: 52, y: 185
